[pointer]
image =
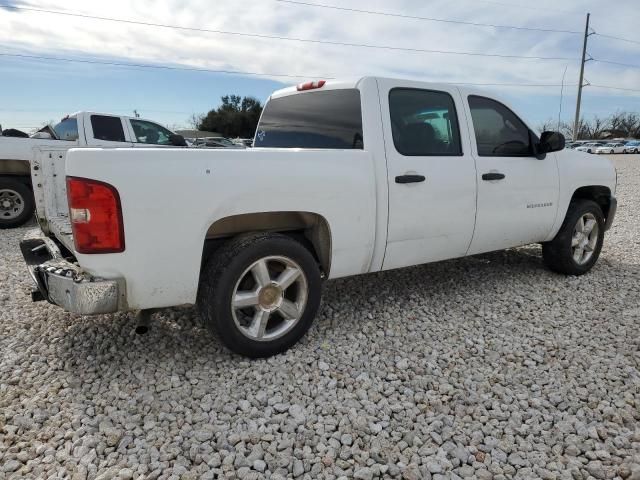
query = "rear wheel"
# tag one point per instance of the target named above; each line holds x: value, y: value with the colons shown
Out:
x: 16, y: 203
x: 577, y: 246
x: 260, y: 293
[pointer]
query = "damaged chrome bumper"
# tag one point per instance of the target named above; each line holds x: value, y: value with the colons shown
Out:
x: 63, y: 283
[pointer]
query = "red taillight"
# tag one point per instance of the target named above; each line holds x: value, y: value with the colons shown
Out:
x: 310, y: 85
x: 96, y: 216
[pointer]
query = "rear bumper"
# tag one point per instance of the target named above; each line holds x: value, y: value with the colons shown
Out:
x: 63, y: 283
x: 613, y: 208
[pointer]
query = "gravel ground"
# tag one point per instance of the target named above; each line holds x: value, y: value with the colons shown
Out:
x: 485, y: 367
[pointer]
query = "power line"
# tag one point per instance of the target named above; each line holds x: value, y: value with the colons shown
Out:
x: 508, y: 84
x: 157, y: 66
x: 237, y: 72
x: 430, y: 19
x: 616, y: 63
x: 614, y: 88
x: 520, y: 6
x: 290, y: 39
x: 617, y: 38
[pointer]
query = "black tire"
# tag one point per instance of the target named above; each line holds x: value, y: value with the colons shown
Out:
x: 228, y: 266
x: 589, y: 151
x: 557, y: 253
x: 16, y: 192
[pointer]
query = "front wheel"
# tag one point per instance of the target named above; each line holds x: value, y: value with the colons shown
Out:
x: 260, y: 293
x: 16, y: 203
x: 576, y: 247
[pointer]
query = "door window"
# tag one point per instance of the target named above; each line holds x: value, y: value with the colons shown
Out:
x: 424, y: 123
x: 499, y: 131
x: 151, y: 133
x: 107, y: 128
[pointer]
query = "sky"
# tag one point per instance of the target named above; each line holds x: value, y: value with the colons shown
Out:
x: 36, y: 91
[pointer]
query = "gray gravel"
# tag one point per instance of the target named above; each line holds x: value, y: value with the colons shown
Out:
x: 486, y: 367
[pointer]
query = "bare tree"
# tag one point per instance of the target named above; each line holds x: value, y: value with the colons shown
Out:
x: 195, y: 120
x: 547, y: 125
x: 630, y: 124
x: 618, y: 124
x: 596, y: 127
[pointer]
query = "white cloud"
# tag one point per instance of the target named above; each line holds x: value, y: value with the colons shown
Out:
x: 47, y: 34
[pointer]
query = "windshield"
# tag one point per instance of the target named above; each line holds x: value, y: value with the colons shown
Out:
x: 67, y: 129
x: 330, y: 119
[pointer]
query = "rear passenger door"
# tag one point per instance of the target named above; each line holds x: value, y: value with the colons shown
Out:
x: 107, y: 131
x: 431, y: 173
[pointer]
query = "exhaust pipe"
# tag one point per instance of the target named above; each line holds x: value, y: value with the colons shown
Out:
x: 143, y: 319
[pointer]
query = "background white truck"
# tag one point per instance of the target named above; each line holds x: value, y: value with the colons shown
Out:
x: 82, y: 129
x: 346, y: 178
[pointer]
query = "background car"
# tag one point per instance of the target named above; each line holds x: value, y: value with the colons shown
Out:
x: 632, y: 147
x: 613, y: 147
x: 589, y: 147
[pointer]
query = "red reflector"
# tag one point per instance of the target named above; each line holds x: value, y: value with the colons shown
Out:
x: 311, y: 85
x: 96, y: 216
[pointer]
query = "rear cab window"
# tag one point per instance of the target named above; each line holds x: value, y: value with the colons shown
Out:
x: 324, y: 119
x: 67, y: 129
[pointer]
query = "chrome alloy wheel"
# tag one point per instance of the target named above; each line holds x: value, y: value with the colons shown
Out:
x: 585, y: 238
x: 270, y: 298
x: 11, y: 204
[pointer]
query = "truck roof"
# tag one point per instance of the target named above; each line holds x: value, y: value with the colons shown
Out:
x: 87, y: 112
x: 335, y: 84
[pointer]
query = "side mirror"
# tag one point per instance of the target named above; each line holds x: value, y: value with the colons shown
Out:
x: 178, y: 140
x: 551, y: 142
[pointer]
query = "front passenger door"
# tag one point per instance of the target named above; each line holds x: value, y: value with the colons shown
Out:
x: 517, y: 192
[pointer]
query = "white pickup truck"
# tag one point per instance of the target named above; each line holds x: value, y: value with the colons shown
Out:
x: 347, y: 177
x: 82, y: 129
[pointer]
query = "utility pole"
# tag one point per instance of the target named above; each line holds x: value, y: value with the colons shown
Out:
x: 576, y: 123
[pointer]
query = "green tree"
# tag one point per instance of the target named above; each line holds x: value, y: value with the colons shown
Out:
x: 235, y: 117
